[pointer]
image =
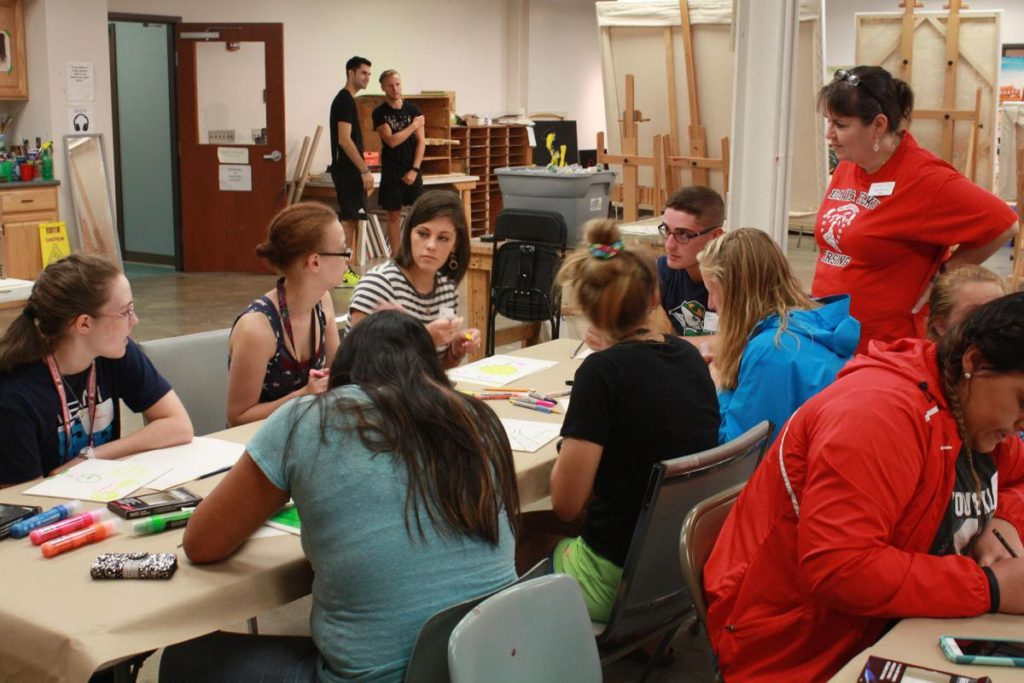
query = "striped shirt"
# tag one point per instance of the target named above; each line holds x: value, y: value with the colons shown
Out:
x: 388, y: 284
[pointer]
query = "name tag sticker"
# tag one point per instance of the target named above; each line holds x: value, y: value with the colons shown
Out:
x: 881, y: 189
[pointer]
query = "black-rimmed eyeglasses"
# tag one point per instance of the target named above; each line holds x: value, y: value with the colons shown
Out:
x: 683, y: 236
x: 347, y: 254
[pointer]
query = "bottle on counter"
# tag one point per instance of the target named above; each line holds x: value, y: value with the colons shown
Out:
x: 47, y: 170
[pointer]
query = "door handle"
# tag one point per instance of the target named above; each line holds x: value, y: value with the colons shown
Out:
x: 274, y: 156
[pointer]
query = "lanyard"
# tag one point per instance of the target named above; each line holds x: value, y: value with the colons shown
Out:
x: 90, y: 398
x: 286, y: 321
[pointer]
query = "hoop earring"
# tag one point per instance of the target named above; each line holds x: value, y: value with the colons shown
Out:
x: 452, y: 263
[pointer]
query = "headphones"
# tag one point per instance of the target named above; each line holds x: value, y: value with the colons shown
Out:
x: 84, y: 126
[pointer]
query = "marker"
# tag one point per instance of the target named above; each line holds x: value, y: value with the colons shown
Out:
x: 165, y: 522
x: 79, y: 521
x: 318, y: 373
x: 559, y: 394
x: 493, y: 396
x: 55, y: 514
x: 468, y: 335
x: 537, y: 401
x: 568, y: 382
x: 94, y: 534
x: 1005, y: 544
x: 222, y: 470
x: 531, y: 406
x: 447, y: 312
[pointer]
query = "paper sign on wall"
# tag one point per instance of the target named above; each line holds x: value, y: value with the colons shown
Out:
x: 235, y: 177
x: 53, y: 242
x: 233, y: 155
x: 80, y: 118
x: 81, y: 82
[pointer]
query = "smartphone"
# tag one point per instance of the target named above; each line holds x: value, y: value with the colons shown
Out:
x: 154, y: 503
x: 981, y: 650
x: 10, y: 514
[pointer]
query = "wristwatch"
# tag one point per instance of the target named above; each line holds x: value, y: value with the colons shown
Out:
x: 415, y: 168
x: 89, y: 453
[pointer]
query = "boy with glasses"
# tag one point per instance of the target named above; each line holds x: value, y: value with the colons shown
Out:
x: 693, y: 217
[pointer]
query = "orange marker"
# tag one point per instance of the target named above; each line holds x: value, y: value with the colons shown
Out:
x: 97, y: 532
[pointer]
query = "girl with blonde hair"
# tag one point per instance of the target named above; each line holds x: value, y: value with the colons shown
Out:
x: 776, y: 346
x: 958, y: 292
x: 646, y: 398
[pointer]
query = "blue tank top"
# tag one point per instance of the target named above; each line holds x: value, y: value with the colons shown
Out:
x: 284, y: 373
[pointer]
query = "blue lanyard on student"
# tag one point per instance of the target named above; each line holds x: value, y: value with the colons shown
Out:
x: 90, y: 398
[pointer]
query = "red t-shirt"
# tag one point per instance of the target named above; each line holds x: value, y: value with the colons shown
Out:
x: 882, y: 235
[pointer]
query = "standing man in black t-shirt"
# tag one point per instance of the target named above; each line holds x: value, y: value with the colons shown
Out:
x: 400, y: 126
x: 351, y: 175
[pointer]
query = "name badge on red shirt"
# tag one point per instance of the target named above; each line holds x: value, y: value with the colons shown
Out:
x: 881, y: 189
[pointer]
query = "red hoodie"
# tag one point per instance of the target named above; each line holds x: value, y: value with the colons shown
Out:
x: 870, y: 462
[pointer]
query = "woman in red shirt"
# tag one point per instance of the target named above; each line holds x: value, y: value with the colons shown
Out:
x: 893, y: 209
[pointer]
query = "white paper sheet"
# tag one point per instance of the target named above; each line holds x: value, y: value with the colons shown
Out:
x: 529, y: 436
x: 99, y: 480
x: 189, y: 461
x: 498, y: 370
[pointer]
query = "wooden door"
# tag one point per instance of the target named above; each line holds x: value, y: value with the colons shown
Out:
x: 230, y: 82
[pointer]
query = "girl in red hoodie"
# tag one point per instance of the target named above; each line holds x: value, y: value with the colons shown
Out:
x: 878, y: 501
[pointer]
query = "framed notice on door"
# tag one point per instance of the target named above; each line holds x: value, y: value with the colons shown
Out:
x: 13, y: 75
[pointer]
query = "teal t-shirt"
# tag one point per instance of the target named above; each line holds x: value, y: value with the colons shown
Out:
x: 375, y: 581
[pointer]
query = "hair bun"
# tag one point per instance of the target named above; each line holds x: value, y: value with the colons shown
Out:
x: 601, y: 231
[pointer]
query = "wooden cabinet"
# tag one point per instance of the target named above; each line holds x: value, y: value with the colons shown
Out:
x: 481, y: 150
x: 437, y: 111
x: 13, y: 72
x: 22, y: 209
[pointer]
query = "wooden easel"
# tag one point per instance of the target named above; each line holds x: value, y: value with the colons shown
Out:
x: 696, y: 159
x: 948, y: 115
x: 630, y: 192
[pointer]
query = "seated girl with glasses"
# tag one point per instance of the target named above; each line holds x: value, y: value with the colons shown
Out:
x: 283, y: 342
x: 423, y: 277
x: 776, y: 346
x: 66, y: 363
x: 647, y: 397
x: 406, y: 489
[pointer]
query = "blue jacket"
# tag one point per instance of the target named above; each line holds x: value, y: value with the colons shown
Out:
x: 777, y: 376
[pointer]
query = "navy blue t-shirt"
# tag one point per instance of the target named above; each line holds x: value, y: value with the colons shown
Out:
x: 685, y: 302
x: 31, y: 419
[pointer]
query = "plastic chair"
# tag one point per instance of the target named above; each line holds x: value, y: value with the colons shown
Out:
x: 653, y: 599
x: 196, y: 365
x: 537, y: 631
x: 523, y: 268
x: 700, y: 531
x: 428, y: 662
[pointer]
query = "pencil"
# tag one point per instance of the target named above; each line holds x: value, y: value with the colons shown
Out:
x: 508, y: 390
x: 1005, y: 544
x: 577, y: 350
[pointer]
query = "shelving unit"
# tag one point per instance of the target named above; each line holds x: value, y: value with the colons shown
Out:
x: 482, y: 149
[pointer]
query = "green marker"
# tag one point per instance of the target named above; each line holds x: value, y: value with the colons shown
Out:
x: 158, y: 523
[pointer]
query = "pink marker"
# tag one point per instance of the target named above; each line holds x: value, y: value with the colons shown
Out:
x: 318, y: 373
x: 81, y: 521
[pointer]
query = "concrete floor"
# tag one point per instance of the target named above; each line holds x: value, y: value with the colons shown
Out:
x: 171, y: 303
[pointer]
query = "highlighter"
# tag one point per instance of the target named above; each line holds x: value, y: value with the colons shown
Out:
x: 54, y: 514
x: 79, y: 521
x: 165, y: 522
x: 95, y: 533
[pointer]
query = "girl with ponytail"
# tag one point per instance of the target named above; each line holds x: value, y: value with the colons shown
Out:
x: 66, y: 363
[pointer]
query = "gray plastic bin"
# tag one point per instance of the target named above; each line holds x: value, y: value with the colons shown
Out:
x: 579, y: 197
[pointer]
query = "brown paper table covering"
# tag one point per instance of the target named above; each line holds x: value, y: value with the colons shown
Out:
x: 58, y: 624
x: 916, y: 641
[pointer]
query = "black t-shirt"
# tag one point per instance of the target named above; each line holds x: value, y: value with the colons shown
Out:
x: 685, y: 302
x: 31, y: 419
x: 397, y: 160
x: 643, y: 402
x: 966, y: 516
x: 343, y: 109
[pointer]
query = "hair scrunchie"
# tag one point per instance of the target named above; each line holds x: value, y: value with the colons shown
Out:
x: 605, y: 251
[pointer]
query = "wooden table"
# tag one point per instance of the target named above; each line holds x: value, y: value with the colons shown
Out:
x: 916, y: 641
x: 58, y: 624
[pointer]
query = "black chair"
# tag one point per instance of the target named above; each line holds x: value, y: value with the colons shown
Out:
x: 527, y: 251
x: 653, y: 600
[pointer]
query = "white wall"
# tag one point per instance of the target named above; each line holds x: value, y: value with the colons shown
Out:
x: 840, y: 28
x: 436, y: 44
x: 565, y: 64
